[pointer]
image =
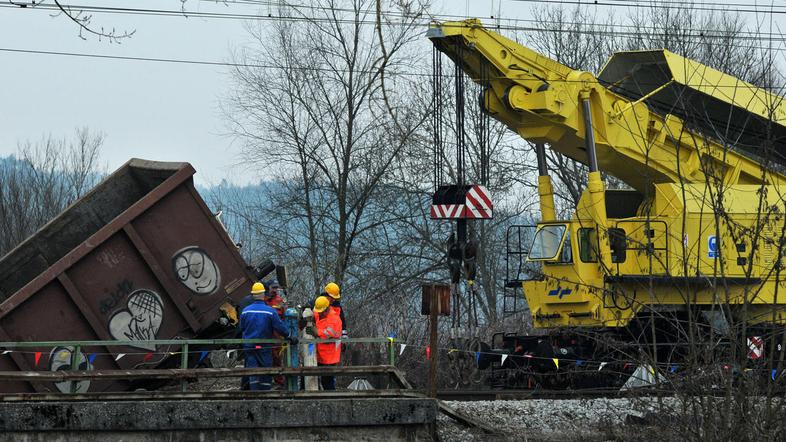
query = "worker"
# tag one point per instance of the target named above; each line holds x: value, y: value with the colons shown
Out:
x: 328, y: 326
x: 333, y: 292
x: 275, y: 301
x: 258, y: 321
x: 274, y: 298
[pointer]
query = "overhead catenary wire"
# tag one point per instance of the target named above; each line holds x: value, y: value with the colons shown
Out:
x: 635, y: 31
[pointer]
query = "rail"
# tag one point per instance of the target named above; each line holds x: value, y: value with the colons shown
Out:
x: 291, y: 371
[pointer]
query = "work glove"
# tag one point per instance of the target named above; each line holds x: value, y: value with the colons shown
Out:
x: 293, y: 340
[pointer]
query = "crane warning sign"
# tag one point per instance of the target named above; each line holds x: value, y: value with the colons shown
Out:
x: 712, y: 246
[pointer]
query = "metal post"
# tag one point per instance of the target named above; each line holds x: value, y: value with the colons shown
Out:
x: 291, y: 315
x: 540, y: 153
x: 391, y: 352
x: 76, y: 351
x: 589, y: 135
x: 184, y: 364
x: 433, y: 343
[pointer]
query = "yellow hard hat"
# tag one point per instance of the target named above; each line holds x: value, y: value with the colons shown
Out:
x: 333, y: 290
x: 258, y: 288
x: 321, y: 304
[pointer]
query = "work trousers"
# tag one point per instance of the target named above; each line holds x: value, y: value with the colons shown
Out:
x: 258, y: 358
x: 328, y: 382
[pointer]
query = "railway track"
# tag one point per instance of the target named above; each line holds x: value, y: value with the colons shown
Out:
x: 495, y: 395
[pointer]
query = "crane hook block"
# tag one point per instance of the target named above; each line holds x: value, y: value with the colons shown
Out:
x: 462, y: 202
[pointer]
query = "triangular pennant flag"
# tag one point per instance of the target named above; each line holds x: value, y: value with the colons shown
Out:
x: 91, y: 358
x: 477, y: 357
x: 38, y: 358
x: 673, y: 368
x: 579, y: 362
x: 503, y: 359
x: 401, y: 350
x: 338, y: 344
x: 5, y: 352
x: 202, y: 356
x: 602, y: 364
x: 428, y: 352
x: 392, y: 335
x: 774, y: 371
x: 257, y: 347
x: 556, y: 362
x: 148, y: 357
x: 311, y: 348
x: 117, y: 358
x: 229, y: 353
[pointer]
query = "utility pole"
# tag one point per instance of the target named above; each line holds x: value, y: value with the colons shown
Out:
x: 433, y: 341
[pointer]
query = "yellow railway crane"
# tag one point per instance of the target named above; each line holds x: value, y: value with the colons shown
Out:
x: 703, y: 222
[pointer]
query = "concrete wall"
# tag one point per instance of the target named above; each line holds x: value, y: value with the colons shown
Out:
x: 365, y: 419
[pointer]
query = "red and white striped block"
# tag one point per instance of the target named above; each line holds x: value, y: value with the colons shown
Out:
x: 477, y: 205
x: 755, y: 347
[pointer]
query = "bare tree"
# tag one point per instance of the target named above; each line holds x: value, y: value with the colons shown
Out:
x: 43, y: 179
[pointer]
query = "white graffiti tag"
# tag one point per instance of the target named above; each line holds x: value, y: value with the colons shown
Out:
x: 196, y: 270
x: 140, y: 320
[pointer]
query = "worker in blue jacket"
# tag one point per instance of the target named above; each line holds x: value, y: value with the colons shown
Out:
x: 257, y: 321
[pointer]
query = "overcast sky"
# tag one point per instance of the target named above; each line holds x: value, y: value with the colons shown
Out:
x: 149, y: 110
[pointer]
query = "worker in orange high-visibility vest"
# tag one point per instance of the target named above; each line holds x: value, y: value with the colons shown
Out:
x: 328, y: 326
x: 333, y: 292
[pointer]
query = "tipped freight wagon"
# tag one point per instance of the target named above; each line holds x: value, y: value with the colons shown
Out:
x: 140, y: 257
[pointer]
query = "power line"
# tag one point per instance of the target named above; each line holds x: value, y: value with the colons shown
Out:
x: 664, y: 4
x: 694, y: 33
x: 273, y: 66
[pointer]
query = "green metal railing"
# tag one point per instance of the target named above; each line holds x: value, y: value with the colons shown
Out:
x: 184, y: 345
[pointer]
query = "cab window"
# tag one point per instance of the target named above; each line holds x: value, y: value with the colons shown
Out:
x: 588, y: 245
x: 566, y: 253
x: 545, y: 245
x: 618, y: 243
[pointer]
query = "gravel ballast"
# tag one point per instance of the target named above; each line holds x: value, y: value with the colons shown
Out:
x: 569, y: 419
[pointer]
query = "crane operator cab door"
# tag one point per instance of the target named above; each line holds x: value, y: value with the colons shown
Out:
x: 553, y: 247
x: 568, y: 255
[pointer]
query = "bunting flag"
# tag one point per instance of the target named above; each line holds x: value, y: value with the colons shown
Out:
x: 401, y: 350
x: 91, y: 358
x: 477, y: 357
x: 503, y: 359
x: 673, y: 368
x: 602, y: 364
x: 579, y: 362
x: 428, y: 352
x: 5, y: 352
x: 311, y: 348
x: 38, y: 358
x: 202, y: 356
x: 148, y: 357
x: 258, y: 347
x: 556, y: 362
x: 625, y: 367
x: 771, y: 375
x: 119, y: 356
x: 229, y: 353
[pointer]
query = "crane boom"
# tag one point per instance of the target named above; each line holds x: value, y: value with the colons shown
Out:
x: 540, y: 99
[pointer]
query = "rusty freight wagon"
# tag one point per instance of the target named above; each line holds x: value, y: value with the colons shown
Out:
x: 140, y: 257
